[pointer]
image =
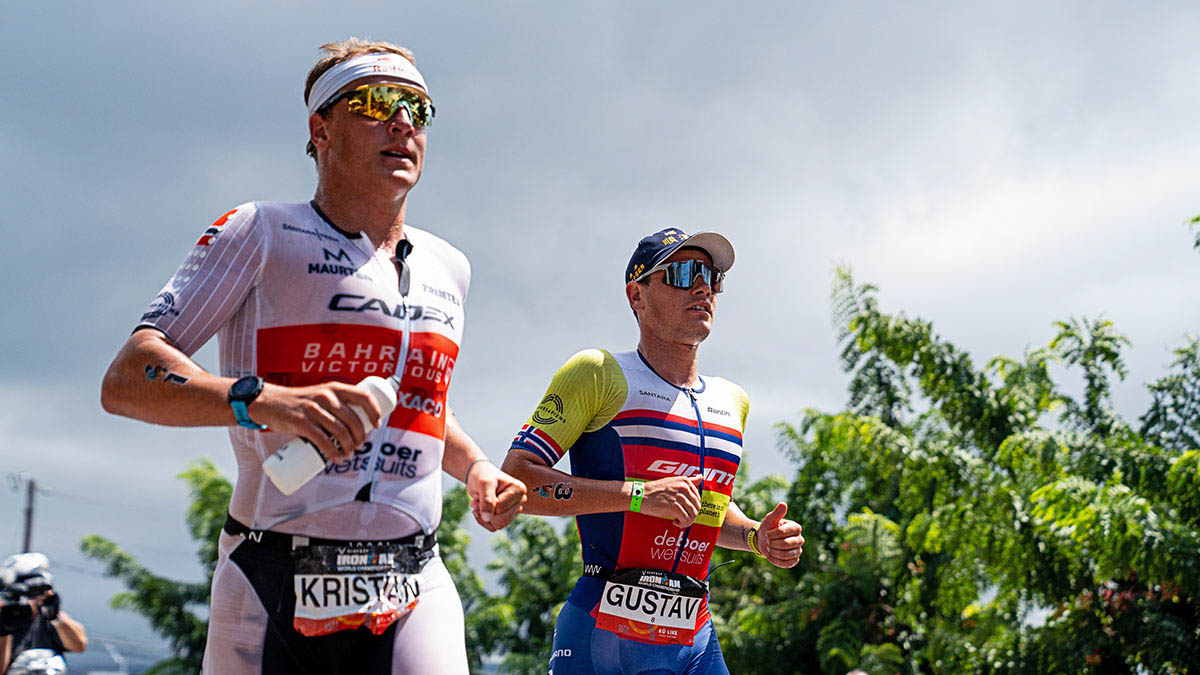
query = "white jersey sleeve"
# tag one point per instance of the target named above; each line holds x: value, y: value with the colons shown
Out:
x: 213, y: 281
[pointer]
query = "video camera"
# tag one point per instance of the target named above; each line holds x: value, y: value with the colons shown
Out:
x: 27, y: 588
x: 25, y: 577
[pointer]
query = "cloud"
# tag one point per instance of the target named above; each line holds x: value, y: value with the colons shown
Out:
x: 992, y: 168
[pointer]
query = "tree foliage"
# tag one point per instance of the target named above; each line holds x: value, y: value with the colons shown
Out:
x: 978, y: 519
x: 173, y: 608
x: 452, y: 542
x: 536, y: 567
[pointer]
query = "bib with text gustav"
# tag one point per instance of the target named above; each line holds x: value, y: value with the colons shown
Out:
x: 651, y: 604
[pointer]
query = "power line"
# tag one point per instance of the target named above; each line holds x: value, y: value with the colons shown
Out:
x: 125, y: 544
x: 66, y: 496
x: 18, y: 478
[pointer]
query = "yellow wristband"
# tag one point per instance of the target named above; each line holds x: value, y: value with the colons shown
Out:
x: 752, y: 542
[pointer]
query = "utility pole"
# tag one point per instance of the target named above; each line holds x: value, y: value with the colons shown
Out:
x: 30, y: 487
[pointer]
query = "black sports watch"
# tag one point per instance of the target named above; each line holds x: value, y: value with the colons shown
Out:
x: 241, y: 394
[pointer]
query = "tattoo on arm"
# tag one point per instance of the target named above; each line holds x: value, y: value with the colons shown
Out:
x: 559, y: 491
x: 153, y: 372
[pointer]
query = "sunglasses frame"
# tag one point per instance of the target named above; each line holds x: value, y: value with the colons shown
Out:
x: 369, y: 90
x: 716, y: 283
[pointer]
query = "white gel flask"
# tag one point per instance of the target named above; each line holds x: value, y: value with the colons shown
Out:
x: 299, y: 461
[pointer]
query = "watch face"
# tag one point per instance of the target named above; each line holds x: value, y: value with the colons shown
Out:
x: 245, y: 388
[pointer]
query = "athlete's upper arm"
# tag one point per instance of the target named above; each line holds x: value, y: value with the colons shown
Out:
x: 213, y: 280
x: 584, y: 395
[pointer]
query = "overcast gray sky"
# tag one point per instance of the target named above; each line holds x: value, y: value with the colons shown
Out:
x: 993, y: 167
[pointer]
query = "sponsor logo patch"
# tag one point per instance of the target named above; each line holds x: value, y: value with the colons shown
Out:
x: 162, y: 305
x: 550, y: 410
x: 674, y: 468
x: 349, y: 302
x: 298, y: 356
x: 439, y: 293
x: 312, y: 233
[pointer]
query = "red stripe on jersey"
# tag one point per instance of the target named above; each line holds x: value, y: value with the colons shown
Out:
x: 207, y: 238
x: 298, y: 356
x: 689, y: 421
x: 709, y: 426
x: 223, y: 219
x: 545, y: 438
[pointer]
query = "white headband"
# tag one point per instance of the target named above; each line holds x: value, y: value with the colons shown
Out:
x: 383, y: 64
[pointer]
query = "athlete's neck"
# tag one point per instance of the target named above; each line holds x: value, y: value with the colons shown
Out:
x: 675, y: 362
x: 379, y: 216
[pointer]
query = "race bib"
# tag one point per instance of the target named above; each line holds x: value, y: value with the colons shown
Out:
x: 342, y: 587
x: 652, y: 605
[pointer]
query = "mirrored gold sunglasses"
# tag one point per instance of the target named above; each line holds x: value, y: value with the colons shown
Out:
x: 382, y: 100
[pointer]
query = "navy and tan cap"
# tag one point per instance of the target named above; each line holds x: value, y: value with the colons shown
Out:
x: 655, y: 248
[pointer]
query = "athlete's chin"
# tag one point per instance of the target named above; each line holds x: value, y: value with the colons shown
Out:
x: 404, y: 180
x: 400, y: 178
x: 697, y: 334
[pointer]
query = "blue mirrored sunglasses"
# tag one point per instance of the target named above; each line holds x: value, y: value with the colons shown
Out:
x: 683, y: 273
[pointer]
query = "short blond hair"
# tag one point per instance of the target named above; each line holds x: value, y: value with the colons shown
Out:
x: 344, y: 51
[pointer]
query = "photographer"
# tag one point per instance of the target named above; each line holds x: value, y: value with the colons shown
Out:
x: 34, y: 631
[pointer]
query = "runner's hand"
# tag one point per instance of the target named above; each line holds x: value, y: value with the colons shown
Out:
x: 320, y: 413
x: 496, y: 497
x: 675, y: 498
x: 779, y: 538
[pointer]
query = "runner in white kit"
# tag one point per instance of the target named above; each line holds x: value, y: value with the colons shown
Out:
x: 306, y: 299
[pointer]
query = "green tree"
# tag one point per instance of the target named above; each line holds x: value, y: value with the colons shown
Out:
x: 536, y: 569
x: 173, y: 608
x: 490, y: 620
x: 1173, y: 420
x: 536, y: 566
x: 978, y: 519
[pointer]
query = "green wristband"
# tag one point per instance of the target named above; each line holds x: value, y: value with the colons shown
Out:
x: 635, y: 495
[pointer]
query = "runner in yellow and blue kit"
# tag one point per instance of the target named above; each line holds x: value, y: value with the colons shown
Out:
x: 654, y: 447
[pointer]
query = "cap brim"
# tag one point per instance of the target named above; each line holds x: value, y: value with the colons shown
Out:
x: 715, y: 245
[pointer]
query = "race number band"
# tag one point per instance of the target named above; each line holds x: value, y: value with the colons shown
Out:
x: 284, y: 542
x: 342, y: 585
x: 650, y: 604
x: 636, y: 492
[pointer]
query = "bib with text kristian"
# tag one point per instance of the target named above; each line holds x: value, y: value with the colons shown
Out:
x: 344, y: 587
